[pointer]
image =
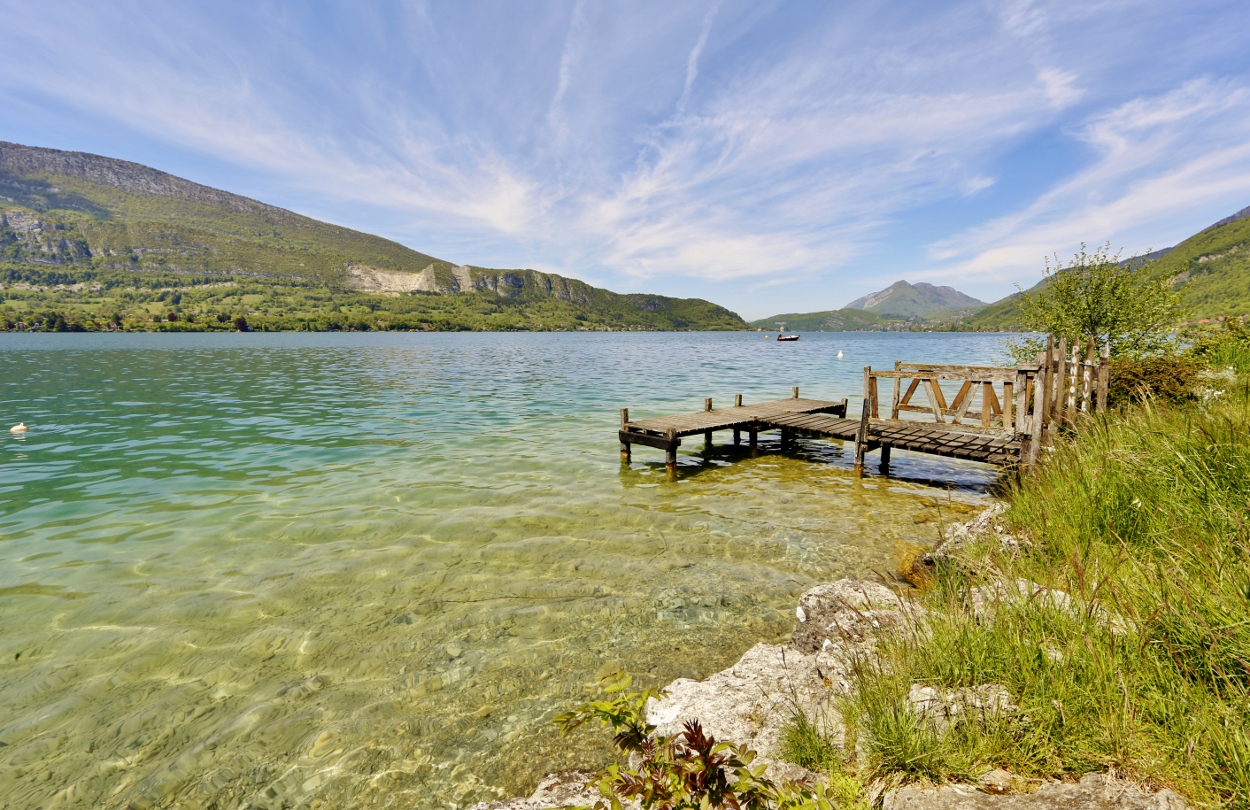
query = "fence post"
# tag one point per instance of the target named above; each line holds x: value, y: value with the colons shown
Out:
x: 1022, y: 403
x: 1104, y: 377
x: 1072, y: 383
x: 1040, y: 385
x: 898, y: 383
x: 1087, y: 376
x: 1058, y: 385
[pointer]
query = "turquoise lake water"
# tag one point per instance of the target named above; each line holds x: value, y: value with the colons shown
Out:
x: 358, y: 570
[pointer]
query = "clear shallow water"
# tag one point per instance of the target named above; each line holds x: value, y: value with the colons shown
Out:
x: 365, y: 570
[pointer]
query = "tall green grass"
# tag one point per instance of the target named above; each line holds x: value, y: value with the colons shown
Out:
x: 1145, y: 522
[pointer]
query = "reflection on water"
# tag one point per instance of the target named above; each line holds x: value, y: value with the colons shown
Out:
x: 358, y: 570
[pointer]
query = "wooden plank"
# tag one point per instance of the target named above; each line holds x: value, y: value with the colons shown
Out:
x: 936, y: 400
x: 982, y: 374
x: 962, y: 401
x: 662, y: 442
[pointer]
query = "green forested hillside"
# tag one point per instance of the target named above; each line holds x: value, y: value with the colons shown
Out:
x: 837, y: 320
x: 1001, y: 316
x: 92, y: 238
x: 1210, y: 269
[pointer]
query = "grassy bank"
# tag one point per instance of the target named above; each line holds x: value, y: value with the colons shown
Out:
x: 1144, y: 668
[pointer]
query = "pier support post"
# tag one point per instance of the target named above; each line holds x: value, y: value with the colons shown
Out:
x: 737, y: 437
x: 885, y: 460
x: 785, y: 438
x: 625, y: 448
x: 752, y: 435
x: 670, y: 455
x: 707, y: 438
x: 796, y: 392
x: 737, y: 400
x: 861, y: 440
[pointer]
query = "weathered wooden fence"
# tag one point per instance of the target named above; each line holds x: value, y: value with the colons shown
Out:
x: 1028, y: 401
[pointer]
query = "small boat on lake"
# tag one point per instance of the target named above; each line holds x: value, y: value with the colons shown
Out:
x: 787, y: 337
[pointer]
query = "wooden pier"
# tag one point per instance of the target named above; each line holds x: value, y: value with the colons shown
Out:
x: 1018, y: 410
x: 666, y: 432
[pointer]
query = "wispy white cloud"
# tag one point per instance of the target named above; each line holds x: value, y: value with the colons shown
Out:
x: 728, y: 140
x: 1188, y: 149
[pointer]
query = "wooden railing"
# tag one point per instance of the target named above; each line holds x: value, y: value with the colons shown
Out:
x: 977, y: 383
x: 1030, y: 401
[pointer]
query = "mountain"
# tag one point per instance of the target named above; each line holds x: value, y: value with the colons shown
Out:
x: 899, y: 307
x: 1210, y: 269
x: 92, y: 237
x: 922, y: 299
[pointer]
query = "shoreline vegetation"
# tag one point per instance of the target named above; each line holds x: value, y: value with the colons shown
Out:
x: 1085, y: 641
x: 77, y: 300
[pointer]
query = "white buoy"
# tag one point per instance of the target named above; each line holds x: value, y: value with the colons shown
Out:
x: 839, y: 352
x: 20, y: 427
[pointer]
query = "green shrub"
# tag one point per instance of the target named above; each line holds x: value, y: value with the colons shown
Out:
x: 1227, y: 348
x: 1167, y: 378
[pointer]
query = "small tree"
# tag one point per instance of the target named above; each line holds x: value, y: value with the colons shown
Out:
x: 1096, y: 295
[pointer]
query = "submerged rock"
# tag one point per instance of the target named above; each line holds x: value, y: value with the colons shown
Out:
x: 1095, y: 791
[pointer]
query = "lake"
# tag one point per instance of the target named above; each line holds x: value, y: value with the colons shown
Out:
x: 357, y: 570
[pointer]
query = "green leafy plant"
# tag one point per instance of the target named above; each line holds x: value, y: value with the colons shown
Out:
x: 1097, y: 295
x: 1227, y: 347
x: 687, y: 771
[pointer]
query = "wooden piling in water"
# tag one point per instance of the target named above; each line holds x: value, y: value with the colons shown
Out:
x: 861, y: 440
x: 625, y: 447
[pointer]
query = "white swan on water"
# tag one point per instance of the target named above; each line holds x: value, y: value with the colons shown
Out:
x: 839, y: 352
x: 20, y: 427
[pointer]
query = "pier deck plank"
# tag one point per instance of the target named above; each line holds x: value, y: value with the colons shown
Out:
x: 741, y: 416
x: 994, y: 447
x: 827, y: 419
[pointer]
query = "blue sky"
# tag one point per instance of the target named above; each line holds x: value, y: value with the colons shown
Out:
x: 769, y: 156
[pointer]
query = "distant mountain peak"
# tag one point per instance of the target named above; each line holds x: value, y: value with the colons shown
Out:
x: 922, y: 298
